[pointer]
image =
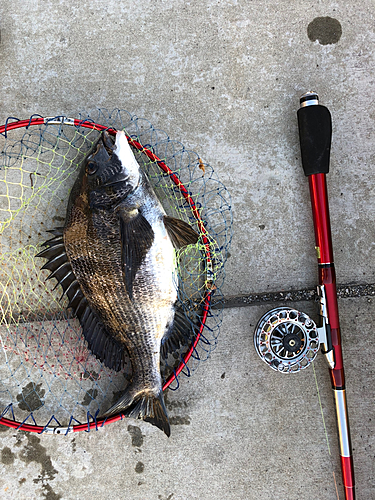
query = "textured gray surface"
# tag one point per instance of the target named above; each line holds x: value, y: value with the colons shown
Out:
x: 239, y: 430
x: 224, y: 78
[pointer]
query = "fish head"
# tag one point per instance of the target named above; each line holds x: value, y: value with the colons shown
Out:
x: 111, y: 171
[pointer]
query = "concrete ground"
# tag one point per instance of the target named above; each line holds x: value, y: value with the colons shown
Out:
x: 224, y: 78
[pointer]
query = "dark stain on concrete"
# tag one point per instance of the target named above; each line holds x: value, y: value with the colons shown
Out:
x: 50, y: 494
x: 59, y: 218
x: 139, y: 468
x: 18, y: 438
x: 89, y: 396
x: 30, y: 399
x: 324, y: 29
x: 223, y: 375
x: 22, y: 480
x: 35, y: 452
x: 92, y: 375
x: 178, y: 420
x: 136, y: 435
x: 116, y: 396
x: 7, y: 456
x: 172, y: 405
x: 74, y: 445
x: 4, y: 428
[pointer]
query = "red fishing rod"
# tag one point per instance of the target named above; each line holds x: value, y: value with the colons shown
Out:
x: 315, y: 130
x: 288, y: 340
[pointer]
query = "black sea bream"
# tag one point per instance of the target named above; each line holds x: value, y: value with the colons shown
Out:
x: 115, y: 259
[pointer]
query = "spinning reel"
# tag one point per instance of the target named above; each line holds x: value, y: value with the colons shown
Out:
x: 288, y: 340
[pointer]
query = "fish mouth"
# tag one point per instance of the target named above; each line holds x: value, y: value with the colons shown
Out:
x: 103, y: 154
x: 110, y: 162
x: 108, y: 142
x: 105, y: 147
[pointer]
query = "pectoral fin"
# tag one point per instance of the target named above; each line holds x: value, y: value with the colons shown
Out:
x: 137, y: 237
x: 180, y: 232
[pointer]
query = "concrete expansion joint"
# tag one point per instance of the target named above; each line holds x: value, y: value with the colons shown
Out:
x: 282, y: 296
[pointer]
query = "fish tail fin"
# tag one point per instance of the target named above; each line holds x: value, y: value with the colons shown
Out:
x: 146, y: 405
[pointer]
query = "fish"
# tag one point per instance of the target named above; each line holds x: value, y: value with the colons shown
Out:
x: 115, y: 259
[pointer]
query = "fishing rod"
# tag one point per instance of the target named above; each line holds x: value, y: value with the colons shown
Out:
x: 288, y: 340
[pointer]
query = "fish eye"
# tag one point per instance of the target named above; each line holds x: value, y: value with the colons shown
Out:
x: 91, y: 167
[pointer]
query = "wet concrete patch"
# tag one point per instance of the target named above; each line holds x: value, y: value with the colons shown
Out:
x: 179, y: 420
x: 30, y: 399
x: 136, y: 435
x: 7, y: 456
x: 326, y: 30
x: 139, y: 468
x: 174, y: 406
x: 35, y: 452
x: 89, y: 396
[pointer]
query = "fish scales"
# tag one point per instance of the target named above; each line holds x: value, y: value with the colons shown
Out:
x: 139, y: 322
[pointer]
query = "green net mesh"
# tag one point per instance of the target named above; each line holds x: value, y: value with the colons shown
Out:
x: 47, y: 374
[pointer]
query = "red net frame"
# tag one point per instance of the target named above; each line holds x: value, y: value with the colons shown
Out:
x: 99, y: 422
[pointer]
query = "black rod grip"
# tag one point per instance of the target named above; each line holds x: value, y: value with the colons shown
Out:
x: 315, y: 132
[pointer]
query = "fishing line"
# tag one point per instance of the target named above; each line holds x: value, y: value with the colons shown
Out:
x: 49, y: 380
x: 321, y: 410
x: 325, y: 431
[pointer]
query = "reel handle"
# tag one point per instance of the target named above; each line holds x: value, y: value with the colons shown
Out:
x: 315, y: 132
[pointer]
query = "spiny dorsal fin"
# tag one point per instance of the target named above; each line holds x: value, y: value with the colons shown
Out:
x: 137, y: 237
x: 180, y: 232
x: 57, y: 260
x: 101, y: 344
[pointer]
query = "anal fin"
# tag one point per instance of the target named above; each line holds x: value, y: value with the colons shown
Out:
x: 180, y: 333
x: 100, y: 342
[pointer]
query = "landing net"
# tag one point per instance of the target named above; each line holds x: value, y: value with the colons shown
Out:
x: 49, y: 380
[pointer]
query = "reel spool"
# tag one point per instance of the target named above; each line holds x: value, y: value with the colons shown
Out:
x: 287, y: 340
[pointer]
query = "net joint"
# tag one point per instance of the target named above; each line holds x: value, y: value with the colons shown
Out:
x: 58, y: 430
x: 58, y: 120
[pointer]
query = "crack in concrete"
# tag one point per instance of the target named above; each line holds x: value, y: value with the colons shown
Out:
x: 254, y: 299
x: 239, y: 300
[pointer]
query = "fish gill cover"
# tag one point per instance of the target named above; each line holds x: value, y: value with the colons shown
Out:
x: 48, y: 376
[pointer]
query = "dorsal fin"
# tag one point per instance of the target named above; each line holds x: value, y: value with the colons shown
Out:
x: 99, y: 341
